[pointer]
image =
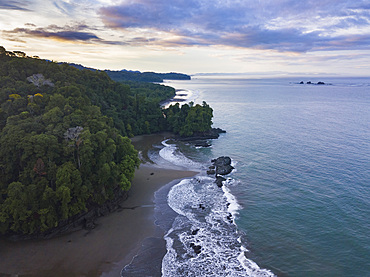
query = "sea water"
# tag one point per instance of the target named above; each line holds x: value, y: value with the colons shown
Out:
x: 298, y: 201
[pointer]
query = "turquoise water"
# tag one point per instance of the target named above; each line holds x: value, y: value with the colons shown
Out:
x: 302, y: 159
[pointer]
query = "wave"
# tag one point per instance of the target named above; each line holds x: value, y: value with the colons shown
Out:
x: 171, y: 154
x: 204, y: 239
x: 182, y: 96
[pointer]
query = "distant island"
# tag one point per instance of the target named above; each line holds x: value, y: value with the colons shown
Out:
x: 311, y: 83
x: 65, y: 152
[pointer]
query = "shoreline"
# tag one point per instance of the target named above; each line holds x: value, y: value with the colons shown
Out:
x: 106, y: 249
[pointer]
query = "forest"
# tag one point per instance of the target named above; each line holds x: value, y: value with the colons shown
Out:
x: 64, y: 138
x: 137, y: 76
x: 125, y: 75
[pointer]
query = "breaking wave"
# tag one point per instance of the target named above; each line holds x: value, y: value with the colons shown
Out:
x: 204, y: 239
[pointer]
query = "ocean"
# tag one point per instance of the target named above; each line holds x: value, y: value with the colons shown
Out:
x: 298, y: 200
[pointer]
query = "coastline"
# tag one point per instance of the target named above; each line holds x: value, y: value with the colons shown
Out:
x: 105, y: 250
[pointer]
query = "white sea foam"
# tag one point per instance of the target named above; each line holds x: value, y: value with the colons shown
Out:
x: 205, y: 221
x: 233, y: 205
x: 204, y: 239
x: 184, y: 96
x: 171, y: 154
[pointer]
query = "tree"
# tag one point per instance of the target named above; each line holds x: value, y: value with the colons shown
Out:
x: 63, y: 138
x: 189, y: 119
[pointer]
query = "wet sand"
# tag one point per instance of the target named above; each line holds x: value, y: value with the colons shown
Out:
x: 103, y: 251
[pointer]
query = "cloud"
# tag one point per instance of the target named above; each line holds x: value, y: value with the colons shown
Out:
x: 64, y: 7
x: 65, y: 33
x: 14, y: 5
x: 282, y: 25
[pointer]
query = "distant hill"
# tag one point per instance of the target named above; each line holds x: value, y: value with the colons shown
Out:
x: 125, y: 75
x: 137, y: 76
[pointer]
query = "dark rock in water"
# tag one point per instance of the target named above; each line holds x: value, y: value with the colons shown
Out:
x: 213, y: 133
x: 230, y: 218
x: 201, y: 144
x: 221, y: 161
x: 194, y: 232
x: 223, y: 165
x: 321, y: 83
x: 219, y: 180
x: 196, y: 248
x: 220, y: 166
x: 224, y: 170
x: 301, y: 83
x: 211, y: 172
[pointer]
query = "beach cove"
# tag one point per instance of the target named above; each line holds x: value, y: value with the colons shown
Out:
x: 112, y: 244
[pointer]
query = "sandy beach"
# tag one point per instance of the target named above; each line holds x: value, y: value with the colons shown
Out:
x: 105, y: 250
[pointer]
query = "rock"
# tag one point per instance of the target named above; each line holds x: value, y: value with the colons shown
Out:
x: 89, y: 224
x: 211, y: 172
x: 219, y: 180
x: 202, y: 144
x: 39, y: 80
x: 223, y: 165
x: 196, y: 248
x: 221, y: 161
x: 230, y: 218
x: 309, y: 83
x: 224, y: 170
x: 301, y: 83
x: 321, y: 83
x: 213, y: 133
x: 194, y: 232
x: 220, y: 166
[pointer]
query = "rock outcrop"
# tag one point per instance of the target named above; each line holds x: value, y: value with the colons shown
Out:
x: 39, y: 80
x: 220, y: 166
x: 200, y: 138
x: 223, y: 165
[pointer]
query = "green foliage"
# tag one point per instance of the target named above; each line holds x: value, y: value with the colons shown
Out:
x: 189, y: 119
x: 123, y: 75
x: 59, y: 154
x: 64, y: 144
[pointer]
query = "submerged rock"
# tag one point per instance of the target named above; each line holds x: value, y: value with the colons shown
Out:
x: 196, y: 248
x: 194, y: 232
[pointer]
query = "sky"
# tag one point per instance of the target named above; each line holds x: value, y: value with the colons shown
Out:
x: 256, y: 37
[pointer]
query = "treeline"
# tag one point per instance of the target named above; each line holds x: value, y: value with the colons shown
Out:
x: 189, y: 119
x: 64, y: 144
x: 137, y: 76
x: 59, y: 155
